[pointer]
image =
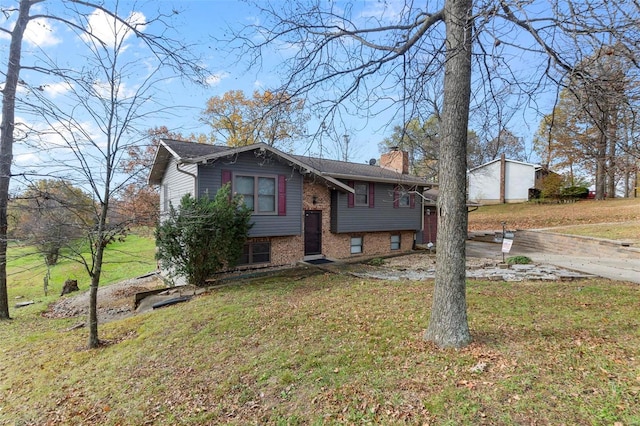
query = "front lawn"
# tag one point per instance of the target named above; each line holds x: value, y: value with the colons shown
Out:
x: 333, y: 349
x: 26, y: 270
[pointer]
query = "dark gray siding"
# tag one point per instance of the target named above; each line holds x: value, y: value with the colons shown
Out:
x: 382, y: 217
x: 210, y: 180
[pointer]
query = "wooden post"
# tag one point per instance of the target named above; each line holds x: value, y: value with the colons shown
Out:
x: 503, y: 172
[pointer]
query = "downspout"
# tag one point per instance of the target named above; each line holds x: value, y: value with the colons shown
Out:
x: 193, y: 175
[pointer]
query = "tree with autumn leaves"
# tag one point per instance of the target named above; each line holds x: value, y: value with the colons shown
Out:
x: 274, y: 118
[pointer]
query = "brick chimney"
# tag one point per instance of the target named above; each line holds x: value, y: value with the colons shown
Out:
x: 395, y: 160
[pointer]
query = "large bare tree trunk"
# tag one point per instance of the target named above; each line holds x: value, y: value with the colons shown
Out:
x: 448, y: 325
x: 612, y: 134
x: 601, y: 159
x: 6, y: 142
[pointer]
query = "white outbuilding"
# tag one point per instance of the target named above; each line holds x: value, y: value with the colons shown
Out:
x: 501, y: 181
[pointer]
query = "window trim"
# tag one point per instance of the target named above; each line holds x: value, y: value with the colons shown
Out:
x: 250, y: 260
x: 361, y: 245
x: 399, y: 242
x: 370, y: 194
x: 365, y: 185
x: 404, y: 195
x: 256, y: 199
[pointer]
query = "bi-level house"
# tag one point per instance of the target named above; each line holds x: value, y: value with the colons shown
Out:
x: 303, y: 208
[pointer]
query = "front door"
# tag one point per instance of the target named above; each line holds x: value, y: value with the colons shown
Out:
x: 312, y: 232
x: 430, y: 231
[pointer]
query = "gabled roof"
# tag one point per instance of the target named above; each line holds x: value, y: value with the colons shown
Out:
x: 182, y: 151
x: 330, y: 170
x: 497, y: 160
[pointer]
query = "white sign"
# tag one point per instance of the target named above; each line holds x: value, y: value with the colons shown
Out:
x: 506, y: 245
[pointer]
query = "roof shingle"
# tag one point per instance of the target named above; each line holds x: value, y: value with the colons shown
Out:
x: 192, y: 151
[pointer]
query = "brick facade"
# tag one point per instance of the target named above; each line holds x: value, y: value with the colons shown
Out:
x: 338, y: 246
x: 317, y: 197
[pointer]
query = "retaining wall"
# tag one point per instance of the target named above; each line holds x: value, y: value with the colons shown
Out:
x: 574, y: 245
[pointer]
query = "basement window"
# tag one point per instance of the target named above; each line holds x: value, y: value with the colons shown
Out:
x: 356, y: 245
x: 395, y: 242
x: 255, y: 252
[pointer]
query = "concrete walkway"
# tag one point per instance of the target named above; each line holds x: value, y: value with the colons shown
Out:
x: 615, y: 269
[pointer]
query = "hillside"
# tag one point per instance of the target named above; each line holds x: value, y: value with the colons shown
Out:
x: 312, y: 347
x: 534, y: 216
x: 305, y: 348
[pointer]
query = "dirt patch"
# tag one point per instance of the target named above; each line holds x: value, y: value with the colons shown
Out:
x: 115, y: 301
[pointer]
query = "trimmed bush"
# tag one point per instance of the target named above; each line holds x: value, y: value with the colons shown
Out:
x: 575, y: 192
x: 519, y: 260
x: 203, y: 236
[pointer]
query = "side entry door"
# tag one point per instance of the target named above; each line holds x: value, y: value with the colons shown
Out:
x: 312, y: 232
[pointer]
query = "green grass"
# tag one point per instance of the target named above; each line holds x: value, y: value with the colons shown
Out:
x: 26, y: 269
x: 301, y: 348
x: 333, y: 349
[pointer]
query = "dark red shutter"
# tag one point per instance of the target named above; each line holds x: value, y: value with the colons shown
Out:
x: 412, y: 200
x: 350, y: 195
x: 282, y: 195
x: 226, y: 176
x: 396, y: 197
x: 372, y: 191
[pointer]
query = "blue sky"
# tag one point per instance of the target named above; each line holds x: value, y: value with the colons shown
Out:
x: 199, y: 23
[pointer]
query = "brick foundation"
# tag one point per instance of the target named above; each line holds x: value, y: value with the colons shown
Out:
x: 338, y: 246
x: 317, y: 197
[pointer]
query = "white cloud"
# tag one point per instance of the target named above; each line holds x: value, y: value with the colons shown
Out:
x: 57, y: 89
x: 40, y: 33
x: 388, y: 11
x: 103, y: 90
x: 26, y: 159
x: 215, y: 79
x: 109, y: 30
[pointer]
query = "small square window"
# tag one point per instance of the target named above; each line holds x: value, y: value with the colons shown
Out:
x: 405, y: 200
x: 395, y: 242
x: 356, y: 245
x: 261, y: 253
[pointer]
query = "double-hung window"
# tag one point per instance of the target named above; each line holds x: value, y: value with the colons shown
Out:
x: 362, y: 193
x: 259, y: 193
